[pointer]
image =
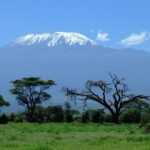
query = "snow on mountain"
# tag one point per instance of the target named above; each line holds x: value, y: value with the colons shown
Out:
x: 70, y: 59
x: 53, y: 39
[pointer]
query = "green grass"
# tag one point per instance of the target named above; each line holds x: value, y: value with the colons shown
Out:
x: 74, y: 136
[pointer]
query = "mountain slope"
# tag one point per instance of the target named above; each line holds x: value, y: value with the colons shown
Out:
x: 70, y: 61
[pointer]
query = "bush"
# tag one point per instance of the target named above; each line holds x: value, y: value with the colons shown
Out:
x: 12, y: 117
x: 97, y: 116
x: 4, y: 119
x: 19, y: 119
x: 72, y: 115
x: 91, y: 115
x: 145, y: 119
x: 55, y: 114
x: 68, y: 116
x: 147, y: 128
x: 108, y: 118
x: 40, y: 115
x: 131, y: 116
x: 85, y: 117
x: 77, y: 117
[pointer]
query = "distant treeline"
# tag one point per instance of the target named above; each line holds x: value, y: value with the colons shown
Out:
x: 67, y: 114
x: 119, y: 106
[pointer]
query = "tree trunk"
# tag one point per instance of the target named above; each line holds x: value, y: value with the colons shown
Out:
x: 115, y: 118
x: 115, y: 115
x: 30, y: 115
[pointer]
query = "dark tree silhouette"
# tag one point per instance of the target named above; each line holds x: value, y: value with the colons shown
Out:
x: 112, y: 96
x: 30, y: 92
x: 3, y: 102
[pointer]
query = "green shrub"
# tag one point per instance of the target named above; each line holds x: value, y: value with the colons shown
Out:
x: 77, y: 117
x: 19, y: 119
x: 93, y: 115
x: 68, y: 116
x: 4, y: 119
x: 97, y: 116
x: 131, y: 116
x: 85, y: 117
x: 108, y: 118
x: 12, y: 117
x: 39, y: 114
x: 147, y: 128
x: 145, y: 119
x: 55, y: 114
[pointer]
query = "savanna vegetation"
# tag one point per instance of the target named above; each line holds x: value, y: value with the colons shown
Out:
x: 73, y: 136
x: 121, y: 122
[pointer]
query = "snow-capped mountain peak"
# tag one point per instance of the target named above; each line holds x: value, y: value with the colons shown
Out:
x: 53, y: 39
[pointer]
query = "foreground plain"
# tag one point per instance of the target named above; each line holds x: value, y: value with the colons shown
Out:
x: 74, y: 136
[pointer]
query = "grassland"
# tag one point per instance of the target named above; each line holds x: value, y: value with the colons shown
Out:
x: 74, y: 136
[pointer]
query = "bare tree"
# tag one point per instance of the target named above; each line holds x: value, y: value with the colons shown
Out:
x: 113, y: 96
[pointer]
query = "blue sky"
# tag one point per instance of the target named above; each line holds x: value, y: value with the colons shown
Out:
x: 113, y: 23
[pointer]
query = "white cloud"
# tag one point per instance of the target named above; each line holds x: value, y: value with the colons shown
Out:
x: 102, y: 36
x: 135, y: 39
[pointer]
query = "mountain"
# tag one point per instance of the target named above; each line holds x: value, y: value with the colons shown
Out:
x: 70, y: 59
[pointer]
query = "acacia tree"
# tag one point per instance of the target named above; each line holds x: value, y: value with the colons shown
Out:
x: 113, y: 96
x: 30, y: 92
